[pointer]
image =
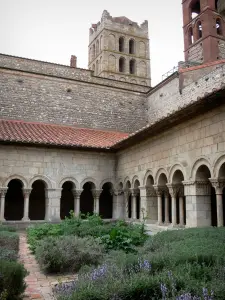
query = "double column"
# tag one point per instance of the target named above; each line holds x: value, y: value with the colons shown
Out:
x: 177, y: 190
x: 96, y: 195
x: 219, y: 186
x: 127, y: 193
x: 76, y: 195
x: 159, y: 193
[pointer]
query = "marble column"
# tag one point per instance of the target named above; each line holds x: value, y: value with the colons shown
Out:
x: 219, y: 186
x: 167, y: 208
x: 96, y: 194
x: 181, y: 207
x: 134, y: 204
x: 159, y: 193
x: 76, y: 194
x: 173, y: 190
x: 127, y: 193
x: 26, y: 196
x: 3, y: 192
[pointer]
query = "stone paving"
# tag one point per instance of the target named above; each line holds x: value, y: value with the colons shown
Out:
x: 39, y: 286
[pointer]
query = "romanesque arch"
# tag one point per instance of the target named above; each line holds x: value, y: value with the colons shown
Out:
x: 14, y: 200
x: 200, y: 161
x: 38, y: 200
x: 106, y: 201
x: 67, y: 199
x: 18, y: 177
x: 148, y: 175
x: 87, y: 198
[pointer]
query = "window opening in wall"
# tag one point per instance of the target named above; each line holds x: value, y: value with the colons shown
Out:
x: 121, y: 64
x: 219, y: 27
x: 190, y: 36
x: 131, y: 47
x: 93, y: 52
x: 132, y: 66
x: 199, y: 27
x: 195, y: 9
x: 121, y: 44
x: 216, y: 4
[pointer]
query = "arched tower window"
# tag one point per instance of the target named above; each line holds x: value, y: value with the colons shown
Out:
x: 97, y: 47
x: 219, y: 27
x: 190, y: 36
x: 121, y: 44
x: 132, y: 66
x: 93, y: 52
x: 199, y: 30
x: 195, y: 8
x: 131, y: 46
x: 122, y: 64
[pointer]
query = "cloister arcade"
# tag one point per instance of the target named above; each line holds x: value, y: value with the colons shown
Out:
x: 164, y: 198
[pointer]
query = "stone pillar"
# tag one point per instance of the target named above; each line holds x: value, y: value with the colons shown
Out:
x: 52, y: 210
x: 96, y: 194
x: 133, y: 204
x: 127, y: 193
x: 219, y: 186
x: 143, y: 203
x: 76, y: 194
x: 118, y: 204
x: 181, y: 207
x: 26, y: 196
x: 159, y: 192
x: 167, y: 208
x: 174, y: 190
x: 3, y: 192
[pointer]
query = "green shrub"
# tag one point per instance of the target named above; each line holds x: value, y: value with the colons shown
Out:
x: 7, y: 228
x: 9, y: 240
x: 12, y: 276
x: 6, y: 254
x: 68, y: 253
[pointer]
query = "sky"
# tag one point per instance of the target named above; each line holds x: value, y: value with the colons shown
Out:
x: 53, y: 30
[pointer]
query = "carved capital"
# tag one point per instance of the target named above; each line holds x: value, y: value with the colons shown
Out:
x: 150, y: 191
x: 175, y: 189
x: 127, y: 193
x: 96, y: 193
x: 159, y: 189
x: 77, y: 193
x: 3, y: 191
x: 203, y: 187
x: 26, y: 192
x: 135, y: 192
x: 218, y: 184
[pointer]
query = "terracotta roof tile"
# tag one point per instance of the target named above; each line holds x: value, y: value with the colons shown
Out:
x: 58, y: 135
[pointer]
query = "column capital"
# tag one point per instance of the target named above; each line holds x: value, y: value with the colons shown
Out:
x: 26, y: 192
x: 96, y: 193
x: 3, y: 191
x: 77, y: 193
x: 118, y: 192
x: 160, y: 189
x: 175, y: 189
x: 135, y: 192
x: 187, y: 183
x: 150, y: 191
x: 218, y: 184
x: 127, y: 193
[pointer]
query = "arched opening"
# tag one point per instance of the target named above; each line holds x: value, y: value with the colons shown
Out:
x: 87, y: 199
x: 206, y: 197
x: 190, y: 36
x: 37, y: 201
x: 199, y: 30
x: 131, y: 46
x: 129, y: 199
x: 14, y: 201
x: 195, y: 8
x: 177, y: 179
x: 132, y: 66
x: 106, y: 201
x: 137, y: 204
x: 67, y: 199
x: 93, y: 52
x: 219, y: 27
x: 122, y: 64
x: 121, y: 44
x: 166, y: 200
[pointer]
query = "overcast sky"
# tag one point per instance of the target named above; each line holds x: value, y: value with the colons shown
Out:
x: 52, y: 30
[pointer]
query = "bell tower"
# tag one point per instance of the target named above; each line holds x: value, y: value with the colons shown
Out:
x: 204, y: 30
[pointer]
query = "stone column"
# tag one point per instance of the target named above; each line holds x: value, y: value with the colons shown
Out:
x: 173, y: 190
x: 167, y: 208
x: 159, y: 192
x: 133, y: 204
x: 3, y: 192
x: 127, y: 193
x: 118, y: 204
x: 96, y: 194
x: 181, y: 207
x: 76, y: 194
x: 219, y: 186
x: 52, y: 210
x: 143, y: 203
x: 26, y: 196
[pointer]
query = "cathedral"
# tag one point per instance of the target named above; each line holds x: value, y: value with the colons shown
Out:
x: 103, y: 140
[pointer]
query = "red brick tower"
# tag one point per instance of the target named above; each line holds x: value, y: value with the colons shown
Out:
x: 204, y: 30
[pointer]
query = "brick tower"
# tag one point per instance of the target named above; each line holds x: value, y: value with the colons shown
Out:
x: 204, y: 30
x: 119, y: 49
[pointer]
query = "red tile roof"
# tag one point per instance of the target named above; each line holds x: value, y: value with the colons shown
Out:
x: 57, y: 135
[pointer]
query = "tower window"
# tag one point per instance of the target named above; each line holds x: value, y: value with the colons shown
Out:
x: 195, y: 8
x: 121, y: 44
x: 131, y: 46
x: 199, y: 30
x: 216, y: 4
x: 93, y: 52
x: 121, y: 64
x: 190, y: 36
x: 132, y: 66
x: 219, y: 27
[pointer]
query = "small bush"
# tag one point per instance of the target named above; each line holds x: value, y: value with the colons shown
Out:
x: 68, y: 253
x: 9, y: 240
x: 6, y: 254
x: 12, y: 276
x: 7, y: 228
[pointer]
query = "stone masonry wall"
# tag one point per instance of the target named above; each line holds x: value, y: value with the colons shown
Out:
x: 32, y: 97
x: 167, y: 99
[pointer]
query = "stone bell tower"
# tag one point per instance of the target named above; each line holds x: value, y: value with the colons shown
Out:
x: 204, y: 30
x: 119, y: 49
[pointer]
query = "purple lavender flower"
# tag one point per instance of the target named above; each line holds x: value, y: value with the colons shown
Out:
x: 98, y: 273
x: 163, y: 290
x: 144, y: 265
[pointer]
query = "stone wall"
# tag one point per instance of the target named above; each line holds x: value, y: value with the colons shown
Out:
x: 51, y: 99
x: 195, y: 53
x: 169, y: 97
x: 221, y: 45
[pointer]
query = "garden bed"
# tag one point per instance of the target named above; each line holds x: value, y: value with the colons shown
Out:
x: 12, y: 273
x: 117, y: 261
